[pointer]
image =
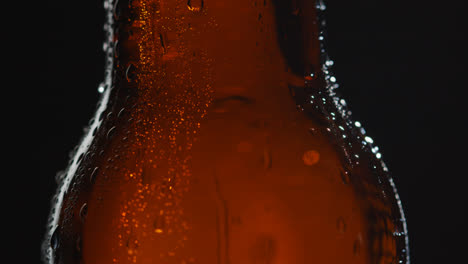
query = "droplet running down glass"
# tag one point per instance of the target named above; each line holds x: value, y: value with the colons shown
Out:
x: 219, y: 139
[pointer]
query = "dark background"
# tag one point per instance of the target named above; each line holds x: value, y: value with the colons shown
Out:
x: 401, y: 66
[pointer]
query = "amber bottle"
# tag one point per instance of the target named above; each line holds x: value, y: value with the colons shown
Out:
x: 219, y: 139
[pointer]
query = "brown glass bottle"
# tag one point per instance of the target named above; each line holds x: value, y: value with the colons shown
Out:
x: 219, y: 139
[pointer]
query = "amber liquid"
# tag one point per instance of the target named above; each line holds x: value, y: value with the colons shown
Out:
x: 219, y: 140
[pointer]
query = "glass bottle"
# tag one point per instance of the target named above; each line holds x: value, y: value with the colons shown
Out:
x: 219, y: 139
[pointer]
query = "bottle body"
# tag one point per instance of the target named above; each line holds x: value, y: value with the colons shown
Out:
x: 219, y: 139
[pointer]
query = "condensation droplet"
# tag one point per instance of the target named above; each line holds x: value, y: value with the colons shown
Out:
x: 161, y: 41
x: 110, y: 133
x: 116, y: 49
x: 101, y: 88
x: 79, y: 158
x: 78, y: 244
x: 121, y: 112
x: 159, y: 224
x: 344, y: 176
x: 130, y: 73
x: 310, y: 157
x: 105, y: 46
x: 195, y: 5
x: 102, y: 115
x: 59, y: 176
x: 116, y: 9
x: 340, y: 225
x: 357, y: 247
x: 92, y: 178
x: 55, y: 239
x: 83, y: 212
x: 320, y: 5
x: 310, y: 77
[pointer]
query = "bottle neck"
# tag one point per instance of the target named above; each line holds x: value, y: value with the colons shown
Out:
x: 162, y: 49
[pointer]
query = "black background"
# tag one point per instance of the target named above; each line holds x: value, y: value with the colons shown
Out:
x: 401, y: 66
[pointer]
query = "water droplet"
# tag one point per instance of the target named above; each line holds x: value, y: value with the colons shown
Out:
x: 78, y: 243
x: 368, y: 139
x: 357, y: 246
x: 105, y: 45
x: 340, y: 225
x: 101, y: 115
x: 83, y: 212
x: 59, y: 176
x: 55, y: 239
x: 320, y: 5
x: 116, y: 49
x: 101, y: 88
x: 130, y: 73
x: 195, y: 5
x: 110, y: 133
x: 92, y: 178
x: 344, y: 176
x: 109, y: 115
x: 159, y: 224
x: 79, y: 158
x: 121, y: 112
x: 310, y: 157
x: 116, y: 9
x: 310, y: 77
x: 161, y: 41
